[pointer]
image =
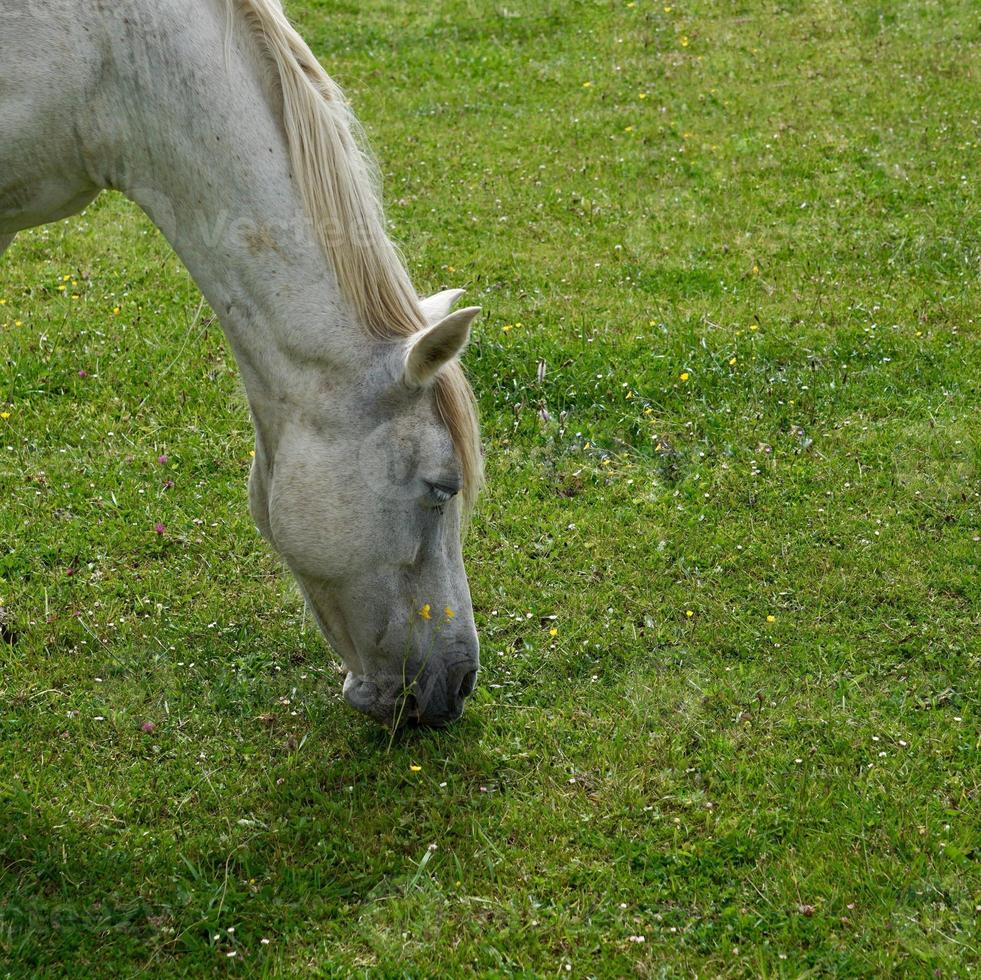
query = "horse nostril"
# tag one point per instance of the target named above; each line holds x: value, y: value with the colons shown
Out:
x: 467, y: 684
x: 462, y: 689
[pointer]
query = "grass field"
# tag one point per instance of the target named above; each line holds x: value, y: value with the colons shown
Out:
x: 725, y: 571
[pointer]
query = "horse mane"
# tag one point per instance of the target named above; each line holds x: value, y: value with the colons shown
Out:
x: 339, y: 183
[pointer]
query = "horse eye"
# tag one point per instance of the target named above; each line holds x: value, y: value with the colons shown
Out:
x: 442, y: 495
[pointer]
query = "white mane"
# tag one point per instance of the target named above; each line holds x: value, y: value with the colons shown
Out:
x: 337, y: 180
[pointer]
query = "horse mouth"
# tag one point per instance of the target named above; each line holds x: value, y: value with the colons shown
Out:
x: 399, y: 704
x: 393, y: 708
x: 360, y: 692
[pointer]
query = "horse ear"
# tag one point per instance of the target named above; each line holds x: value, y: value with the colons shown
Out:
x: 438, y: 306
x: 434, y: 347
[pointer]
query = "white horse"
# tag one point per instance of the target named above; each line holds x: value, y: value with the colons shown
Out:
x: 215, y: 118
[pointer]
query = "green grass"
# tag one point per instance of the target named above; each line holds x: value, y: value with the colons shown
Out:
x: 789, y: 217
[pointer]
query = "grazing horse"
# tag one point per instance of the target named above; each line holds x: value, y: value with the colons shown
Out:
x: 218, y: 121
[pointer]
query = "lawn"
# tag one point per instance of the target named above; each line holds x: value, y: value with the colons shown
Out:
x: 725, y: 571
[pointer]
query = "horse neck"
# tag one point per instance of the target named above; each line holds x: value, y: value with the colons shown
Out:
x: 202, y: 150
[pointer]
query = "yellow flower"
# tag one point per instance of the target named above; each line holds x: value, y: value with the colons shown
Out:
x: 642, y: 95
x: 628, y: 129
x: 771, y: 619
x: 416, y: 768
x: 684, y: 40
x: 449, y: 613
x: 553, y: 632
x: 116, y: 311
x: 732, y: 361
x: 252, y: 453
x: 689, y: 613
x: 587, y: 84
x: 65, y: 278
x: 425, y: 611
x: 667, y: 10
x: 684, y: 375
x: 756, y: 270
x: 18, y: 323
x: 4, y: 416
x: 61, y: 289
x: 754, y: 326
x: 3, y: 302
x: 507, y: 328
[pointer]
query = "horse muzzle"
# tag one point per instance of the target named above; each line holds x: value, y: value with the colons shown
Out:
x: 430, y: 692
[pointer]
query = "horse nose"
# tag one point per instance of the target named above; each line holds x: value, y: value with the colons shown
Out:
x: 460, y: 683
x: 434, y: 696
x: 447, y: 694
x: 467, y: 684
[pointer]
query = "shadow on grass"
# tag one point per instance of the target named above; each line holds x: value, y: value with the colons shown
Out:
x: 230, y: 856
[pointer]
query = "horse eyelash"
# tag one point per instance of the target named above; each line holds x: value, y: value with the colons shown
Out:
x: 442, y: 495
